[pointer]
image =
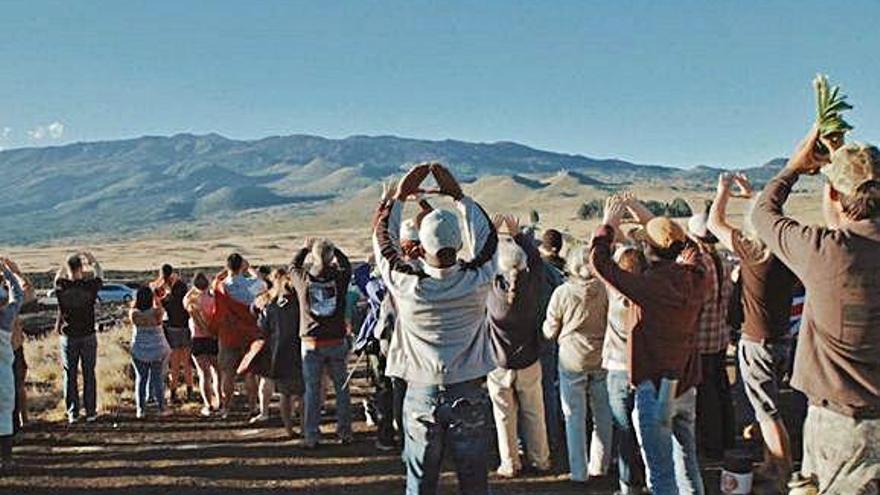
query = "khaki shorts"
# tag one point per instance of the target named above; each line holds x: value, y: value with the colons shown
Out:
x: 842, y: 452
x: 228, y: 358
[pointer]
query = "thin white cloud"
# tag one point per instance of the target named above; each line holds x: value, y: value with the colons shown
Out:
x: 5, y: 132
x: 50, y: 131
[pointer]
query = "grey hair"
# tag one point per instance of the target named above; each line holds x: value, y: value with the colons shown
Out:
x: 578, y: 262
x: 511, y: 256
x: 323, y: 251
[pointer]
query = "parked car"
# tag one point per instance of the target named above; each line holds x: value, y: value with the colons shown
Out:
x: 109, y: 293
x: 116, y: 293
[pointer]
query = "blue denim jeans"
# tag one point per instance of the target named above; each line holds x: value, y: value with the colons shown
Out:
x: 621, y: 398
x: 76, y: 351
x: 549, y: 357
x: 669, y: 451
x: 335, y: 360
x: 576, y: 388
x: 149, y: 375
x: 455, y: 418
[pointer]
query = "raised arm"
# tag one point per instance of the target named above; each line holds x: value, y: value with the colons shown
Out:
x: 96, y: 269
x: 480, y: 236
x: 717, y: 222
x: 16, y: 292
x: 344, y: 264
x: 602, y: 262
x: 300, y: 258
x: 636, y: 208
x: 794, y: 244
x: 386, y: 224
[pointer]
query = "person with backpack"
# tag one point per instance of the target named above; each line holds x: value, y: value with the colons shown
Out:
x: 322, y: 288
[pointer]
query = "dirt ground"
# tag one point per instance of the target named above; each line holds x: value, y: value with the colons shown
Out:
x: 184, y: 454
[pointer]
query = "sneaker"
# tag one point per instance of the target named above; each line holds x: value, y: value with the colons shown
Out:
x: 72, y: 419
x: 223, y: 413
x: 141, y: 414
x: 258, y: 419
x: 506, y: 472
x: 205, y: 411
x: 91, y: 418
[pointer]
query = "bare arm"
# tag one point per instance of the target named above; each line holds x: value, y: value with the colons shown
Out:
x: 637, y: 209
x: 96, y: 269
x: 717, y: 222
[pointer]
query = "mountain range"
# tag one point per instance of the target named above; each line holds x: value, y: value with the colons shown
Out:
x: 134, y: 184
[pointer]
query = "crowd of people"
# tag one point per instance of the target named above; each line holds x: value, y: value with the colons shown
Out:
x: 617, y: 351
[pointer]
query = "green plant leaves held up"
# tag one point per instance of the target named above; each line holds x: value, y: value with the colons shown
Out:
x: 830, y: 103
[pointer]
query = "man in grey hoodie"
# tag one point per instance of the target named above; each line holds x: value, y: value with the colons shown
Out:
x: 442, y: 350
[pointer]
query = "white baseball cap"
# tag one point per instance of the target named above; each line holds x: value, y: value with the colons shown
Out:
x: 440, y: 230
x: 409, y: 231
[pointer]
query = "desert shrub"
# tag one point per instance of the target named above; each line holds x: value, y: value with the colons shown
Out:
x: 679, y: 208
x: 656, y: 207
x: 534, y: 217
x: 113, y: 373
x: 590, y: 209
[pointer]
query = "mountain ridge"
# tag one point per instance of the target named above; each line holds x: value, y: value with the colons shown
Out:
x: 135, y: 183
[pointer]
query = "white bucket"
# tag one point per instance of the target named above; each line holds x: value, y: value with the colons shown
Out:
x: 736, y: 483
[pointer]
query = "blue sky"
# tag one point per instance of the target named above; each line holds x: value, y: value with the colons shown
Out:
x: 680, y: 83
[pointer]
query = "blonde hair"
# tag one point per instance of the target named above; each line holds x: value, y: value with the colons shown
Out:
x: 578, y: 262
